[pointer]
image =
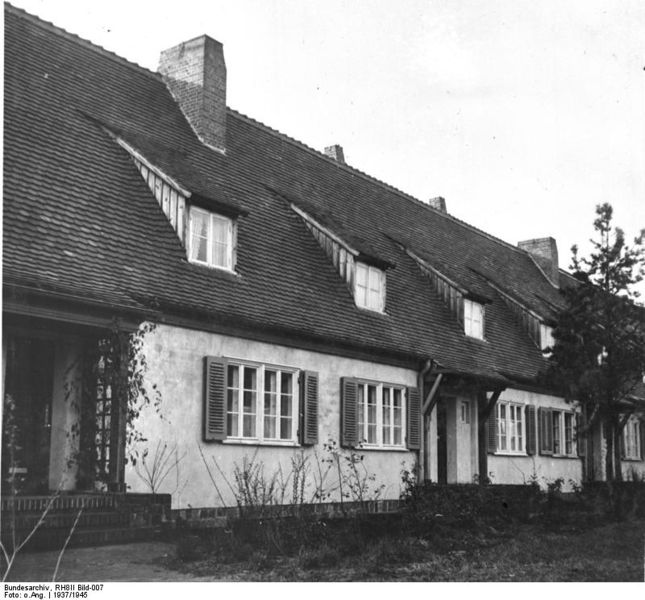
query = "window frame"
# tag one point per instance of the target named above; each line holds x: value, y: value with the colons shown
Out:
x: 567, y: 446
x: 510, y: 425
x: 260, y: 390
x: 631, y: 435
x: 231, y: 239
x: 367, y: 302
x: 469, y: 322
x: 363, y: 435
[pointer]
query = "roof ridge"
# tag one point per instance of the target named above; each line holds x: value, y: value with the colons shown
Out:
x: 36, y: 20
x: 373, y: 179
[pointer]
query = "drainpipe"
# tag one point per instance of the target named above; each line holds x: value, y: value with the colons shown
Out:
x: 428, y: 366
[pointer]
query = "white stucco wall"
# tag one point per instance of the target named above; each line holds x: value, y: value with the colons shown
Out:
x: 514, y: 469
x: 175, y: 364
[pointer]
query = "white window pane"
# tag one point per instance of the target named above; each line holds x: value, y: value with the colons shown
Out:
x: 361, y: 275
x: 220, y: 229
x: 375, y: 279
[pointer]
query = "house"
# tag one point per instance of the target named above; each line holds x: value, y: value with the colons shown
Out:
x: 287, y: 304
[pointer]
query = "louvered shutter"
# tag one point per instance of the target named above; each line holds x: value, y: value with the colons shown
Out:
x: 623, y: 449
x: 214, y: 398
x: 581, y: 440
x: 545, y: 420
x: 641, y: 430
x: 349, y: 413
x: 491, y: 431
x: 530, y: 430
x: 309, y: 407
x: 414, y: 419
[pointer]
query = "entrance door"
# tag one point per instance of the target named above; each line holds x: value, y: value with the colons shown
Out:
x: 26, y: 432
x: 442, y: 445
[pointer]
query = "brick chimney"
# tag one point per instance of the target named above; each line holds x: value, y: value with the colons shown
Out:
x: 545, y: 253
x: 195, y: 74
x: 335, y: 152
x: 439, y: 203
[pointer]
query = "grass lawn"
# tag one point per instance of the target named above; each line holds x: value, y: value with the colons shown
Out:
x: 609, y: 552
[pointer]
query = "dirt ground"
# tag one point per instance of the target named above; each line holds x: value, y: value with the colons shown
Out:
x: 128, y: 562
x: 610, y: 552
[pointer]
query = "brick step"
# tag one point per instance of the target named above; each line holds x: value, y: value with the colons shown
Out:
x: 92, y: 519
x: 71, y: 502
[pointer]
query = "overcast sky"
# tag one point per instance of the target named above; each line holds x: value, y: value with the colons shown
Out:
x: 524, y: 115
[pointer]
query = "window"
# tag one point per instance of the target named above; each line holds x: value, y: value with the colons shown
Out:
x: 369, y: 287
x: 510, y: 428
x: 261, y: 403
x: 210, y: 239
x: 380, y: 414
x: 557, y: 431
x: 474, y: 319
x: 465, y: 412
x: 546, y: 337
x: 632, y: 440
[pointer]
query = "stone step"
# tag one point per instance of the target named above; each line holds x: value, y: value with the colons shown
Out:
x: 52, y: 539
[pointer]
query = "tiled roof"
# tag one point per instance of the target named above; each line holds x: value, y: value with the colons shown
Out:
x: 77, y: 212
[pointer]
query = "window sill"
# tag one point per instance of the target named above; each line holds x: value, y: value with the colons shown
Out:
x: 632, y: 459
x: 382, y: 448
x: 509, y: 453
x: 372, y: 311
x: 257, y: 442
x: 215, y: 268
x: 476, y: 339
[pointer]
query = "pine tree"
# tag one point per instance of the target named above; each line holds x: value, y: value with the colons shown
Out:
x: 598, y: 358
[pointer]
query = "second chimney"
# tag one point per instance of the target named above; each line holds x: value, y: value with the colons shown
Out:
x: 545, y: 253
x: 195, y: 74
x: 335, y: 152
x: 439, y: 203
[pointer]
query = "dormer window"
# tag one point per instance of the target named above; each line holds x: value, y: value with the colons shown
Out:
x: 210, y: 239
x: 474, y: 319
x: 546, y: 337
x: 369, y: 287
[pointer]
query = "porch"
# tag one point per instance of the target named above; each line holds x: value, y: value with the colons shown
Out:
x: 64, y: 407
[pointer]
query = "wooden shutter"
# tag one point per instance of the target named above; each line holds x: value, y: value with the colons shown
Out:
x: 414, y: 419
x: 581, y: 440
x: 641, y: 430
x: 348, y: 413
x: 530, y: 430
x: 623, y: 448
x: 214, y: 398
x: 309, y: 408
x: 545, y: 419
x: 491, y: 431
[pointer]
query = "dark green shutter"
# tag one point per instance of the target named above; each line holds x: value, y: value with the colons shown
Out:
x: 414, y: 419
x: 545, y: 420
x: 309, y: 404
x: 214, y: 398
x: 530, y: 430
x: 641, y: 430
x: 491, y: 431
x: 348, y: 413
x: 581, y: 440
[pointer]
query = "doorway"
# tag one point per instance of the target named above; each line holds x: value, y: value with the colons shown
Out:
x: 26, y: 435
x: 442, y: 442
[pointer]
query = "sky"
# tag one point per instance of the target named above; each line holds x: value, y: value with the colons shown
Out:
x: 524, y: 115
